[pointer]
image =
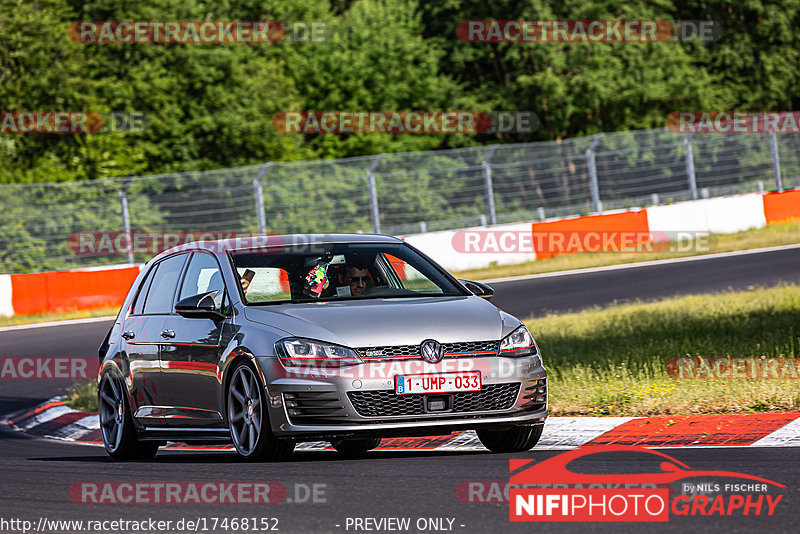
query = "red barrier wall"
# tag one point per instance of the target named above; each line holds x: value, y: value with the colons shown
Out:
x: 61, y: 291
x: 548, y: 235
x: 782, y: 206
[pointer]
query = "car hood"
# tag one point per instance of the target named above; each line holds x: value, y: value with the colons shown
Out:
x: 382, y: 322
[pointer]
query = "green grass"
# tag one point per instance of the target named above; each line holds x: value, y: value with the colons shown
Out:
x: 612, y: 361
x: 82, y: 396
x: 773, y: 235
x: 46, y: 317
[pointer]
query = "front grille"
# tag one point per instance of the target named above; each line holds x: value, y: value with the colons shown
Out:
x: 386, y: 352
x: 472, y: 347
x: 385, y: 403
x: 536, y: 395
x: 309, y: 407
x: 461, y: 348
x: 494, y: 397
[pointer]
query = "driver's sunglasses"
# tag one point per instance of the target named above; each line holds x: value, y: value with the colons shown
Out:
x: 357, y: 279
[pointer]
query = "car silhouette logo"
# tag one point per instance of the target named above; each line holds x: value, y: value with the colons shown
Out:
x: 555, y: 470
x: 431, y: 351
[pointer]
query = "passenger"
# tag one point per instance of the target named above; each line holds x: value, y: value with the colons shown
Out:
x: 247, y: 277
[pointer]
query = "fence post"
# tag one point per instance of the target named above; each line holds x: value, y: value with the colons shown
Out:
x: 487, y: 177
x: 374, y: 210
x: 776, y: 162
x: 594, y: 189
x: 126, y: 218
x: 687, y: 146
x: 261, y: 213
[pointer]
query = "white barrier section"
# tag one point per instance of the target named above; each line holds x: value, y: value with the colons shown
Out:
x: 718, y: 215
x: 477, y: 247
x: 683, y: 216
x: 727, y: 215
x: 6, y: 307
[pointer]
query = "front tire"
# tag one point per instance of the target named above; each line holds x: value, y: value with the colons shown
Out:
x: 248, y: 419
x: 355, y: 448
x: 514, y: 439
x: 116, y: 422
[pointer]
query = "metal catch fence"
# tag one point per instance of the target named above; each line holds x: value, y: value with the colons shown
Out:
x: 48, y: 226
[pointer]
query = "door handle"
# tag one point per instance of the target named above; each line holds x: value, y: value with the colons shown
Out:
x: 168, y: 334
x: 128, y: 334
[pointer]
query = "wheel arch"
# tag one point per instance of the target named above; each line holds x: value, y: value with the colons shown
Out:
x: 232, y: 360
x: 112, y: 366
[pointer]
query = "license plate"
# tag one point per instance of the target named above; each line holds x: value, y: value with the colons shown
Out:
x: 437, y: 383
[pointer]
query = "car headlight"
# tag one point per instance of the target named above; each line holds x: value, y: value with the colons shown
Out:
x: 296, y: 351
x: 518, y: 343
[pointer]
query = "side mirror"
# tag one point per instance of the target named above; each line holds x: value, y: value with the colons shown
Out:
x: 199, y: 306
x: 479, y: 289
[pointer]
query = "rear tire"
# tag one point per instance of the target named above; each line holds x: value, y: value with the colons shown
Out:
x: 248, y: 419
x: 355, y: 448
x: 116, y: 422
x: 514, y: 439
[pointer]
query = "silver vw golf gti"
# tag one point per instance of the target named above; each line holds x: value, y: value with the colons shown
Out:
x: 268, y: 341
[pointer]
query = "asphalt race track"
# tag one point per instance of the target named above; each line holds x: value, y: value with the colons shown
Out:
x: 37, y: 474
x: 706, y: 274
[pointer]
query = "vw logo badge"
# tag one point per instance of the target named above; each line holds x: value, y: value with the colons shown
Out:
x: 431, y: 351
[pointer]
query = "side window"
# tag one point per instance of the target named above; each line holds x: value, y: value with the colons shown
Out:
x: 269, y: 284
x: 162, y: 289
x: 202, y: 276
x: 410, y: 278
x: 138, y: 303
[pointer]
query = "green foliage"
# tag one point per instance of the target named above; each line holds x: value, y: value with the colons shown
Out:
x: 211, y: 106
x: 581, y: 89
x: 82, y: 396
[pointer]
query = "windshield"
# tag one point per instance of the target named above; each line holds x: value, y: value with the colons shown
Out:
x: 338, y: 271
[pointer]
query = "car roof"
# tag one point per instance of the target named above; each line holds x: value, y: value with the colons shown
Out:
x: 276, y: 240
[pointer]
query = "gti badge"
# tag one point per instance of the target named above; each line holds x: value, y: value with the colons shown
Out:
x: 431, y: 351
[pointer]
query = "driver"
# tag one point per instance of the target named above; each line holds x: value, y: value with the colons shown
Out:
x: 356, y: 275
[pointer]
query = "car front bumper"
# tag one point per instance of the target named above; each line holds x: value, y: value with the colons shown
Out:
x: 360, y: 400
